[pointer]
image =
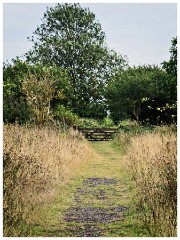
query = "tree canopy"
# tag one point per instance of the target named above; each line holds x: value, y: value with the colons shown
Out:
x: 146, y: 94
x: 70, y: 73
x: 171, y: 65
x: 71, y: 37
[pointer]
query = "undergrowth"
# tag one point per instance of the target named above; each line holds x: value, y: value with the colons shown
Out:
x: 152, y: 157
x: 36, y: 162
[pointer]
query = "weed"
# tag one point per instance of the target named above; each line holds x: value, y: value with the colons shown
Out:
x: 152, y: 159
x: 37, y: 162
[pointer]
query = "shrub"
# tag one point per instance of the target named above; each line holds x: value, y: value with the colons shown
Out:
x: 107, y: 122
x: 65, y: 116
x: 88, y: 122
x: 93, y: 123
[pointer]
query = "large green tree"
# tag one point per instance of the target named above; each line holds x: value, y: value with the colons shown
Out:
x: 72, y: 38
x: 145, y: 94
x: 125, y: 92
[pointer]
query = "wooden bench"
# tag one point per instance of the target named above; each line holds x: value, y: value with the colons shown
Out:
x: 98, y: 134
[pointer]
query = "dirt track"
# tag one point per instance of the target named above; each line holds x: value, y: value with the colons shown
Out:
x: 85, y: 218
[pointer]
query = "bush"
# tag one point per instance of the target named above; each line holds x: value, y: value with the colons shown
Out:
x: 107, y: 122
x: 31, y: 92
x: 93, y: 123
x: 65, y: 117
x: 88, y: 123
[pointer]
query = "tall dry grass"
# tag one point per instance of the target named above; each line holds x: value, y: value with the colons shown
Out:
x: 36, y: 162
x: 152, y: 158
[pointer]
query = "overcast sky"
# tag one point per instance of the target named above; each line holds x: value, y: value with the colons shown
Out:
x: 141, y: 31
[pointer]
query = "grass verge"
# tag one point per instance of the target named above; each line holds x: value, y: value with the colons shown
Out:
x: 152, y: 158
x: 37, y: 162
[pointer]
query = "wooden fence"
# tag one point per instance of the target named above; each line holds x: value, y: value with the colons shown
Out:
x: 98, y: 134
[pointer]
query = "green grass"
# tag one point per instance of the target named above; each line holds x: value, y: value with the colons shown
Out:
x: 112, y: 164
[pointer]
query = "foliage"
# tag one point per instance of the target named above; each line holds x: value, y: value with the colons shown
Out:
x: 146, y: 94
x: 107, y: 122
x: 15, y: 107
x: 171, y: 65
x: 88, y: 123
x: 30, y: 90
x: 65, y: 117
x: 70, y: 37
x: 93, y: 123
x: 125, y: 92
x: 39, y: 93
x: 73, y: 74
